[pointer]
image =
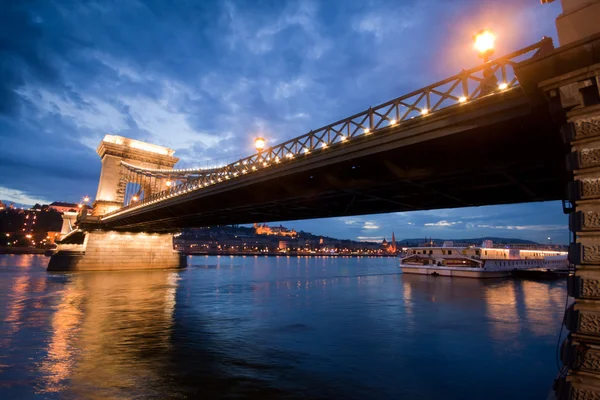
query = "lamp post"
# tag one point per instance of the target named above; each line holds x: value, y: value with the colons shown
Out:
x: 484, y: 43
x: 259, y: 144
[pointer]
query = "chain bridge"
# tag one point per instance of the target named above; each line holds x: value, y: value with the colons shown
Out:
x: 475, y: 138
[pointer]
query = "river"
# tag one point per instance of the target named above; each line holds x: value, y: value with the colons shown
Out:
x: 273, y: 328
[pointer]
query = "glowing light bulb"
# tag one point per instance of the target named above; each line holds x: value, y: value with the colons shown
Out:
x: 485, y: 41
x: 343, y: 138
x: 366, y: 131
x: 502, y: 86
x: 462, y: 99
x: 392, y: 122
x: 424, y: 111
x: 259, y: 143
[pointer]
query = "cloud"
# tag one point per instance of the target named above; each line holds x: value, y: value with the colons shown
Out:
x: 369, y: 238
x: 370, y: 225
x: 443, y: 223
x: 20, y: 197
x: 524, y: 227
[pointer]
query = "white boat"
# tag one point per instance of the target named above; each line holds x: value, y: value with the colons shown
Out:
x: 479, y: 262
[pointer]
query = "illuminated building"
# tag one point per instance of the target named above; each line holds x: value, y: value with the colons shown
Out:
x: 280, y: 230
x: 389, y: 247
x: 63, y: 207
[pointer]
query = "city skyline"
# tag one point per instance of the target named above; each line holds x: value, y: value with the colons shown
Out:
x: 208, y: 87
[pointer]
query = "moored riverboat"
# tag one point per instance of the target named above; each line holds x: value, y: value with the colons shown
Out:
x: 479, y: 262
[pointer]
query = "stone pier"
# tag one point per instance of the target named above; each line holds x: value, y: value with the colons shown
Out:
x: 110, y: 250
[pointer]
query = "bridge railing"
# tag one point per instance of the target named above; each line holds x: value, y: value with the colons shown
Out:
x: 492, y: 77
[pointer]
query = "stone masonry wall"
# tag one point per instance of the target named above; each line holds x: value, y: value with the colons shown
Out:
x: 111, y: 250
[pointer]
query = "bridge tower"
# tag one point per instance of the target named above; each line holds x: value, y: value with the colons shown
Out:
x: 114, y: 178
x: 88, y: 245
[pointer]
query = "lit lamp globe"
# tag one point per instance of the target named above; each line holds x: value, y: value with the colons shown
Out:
x: 168, y: 183
x: 485, y: 40
x: 259, y: 143
x: 86, y: 199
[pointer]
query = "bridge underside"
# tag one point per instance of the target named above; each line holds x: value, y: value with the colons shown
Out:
x: 509, y: 156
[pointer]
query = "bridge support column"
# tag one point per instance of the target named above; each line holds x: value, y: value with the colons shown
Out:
x: 579, y: 92
x: 111, y: 250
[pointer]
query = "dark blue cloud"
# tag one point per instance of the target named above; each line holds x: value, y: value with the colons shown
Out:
x: 205, y: 77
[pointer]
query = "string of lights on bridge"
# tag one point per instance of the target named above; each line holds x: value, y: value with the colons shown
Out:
x: 382, y: 118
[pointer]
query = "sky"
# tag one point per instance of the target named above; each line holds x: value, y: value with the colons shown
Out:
x: 206, y: 77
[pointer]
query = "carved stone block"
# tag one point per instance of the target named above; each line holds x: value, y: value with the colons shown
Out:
x: 588, y: 359
x: 584, y: 221
x: 589, y: 288
x: 587, y: 127
x: 589, y: 323
x: 590, y: 187
x: 583, y: 287
x: 584, y: 394
x: 584, y: 253
x: 589, y: 158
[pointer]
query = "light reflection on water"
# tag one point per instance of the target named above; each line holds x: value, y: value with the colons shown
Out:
x: 273, y: 327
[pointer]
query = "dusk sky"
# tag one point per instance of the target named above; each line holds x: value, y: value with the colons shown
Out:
x: 206, y: 77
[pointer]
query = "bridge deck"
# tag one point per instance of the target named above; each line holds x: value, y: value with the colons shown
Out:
x: 498, y: 149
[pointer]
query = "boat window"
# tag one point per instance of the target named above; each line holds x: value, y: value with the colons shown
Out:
x: 486, y: 252
x: 430, y: 251
x: 477, y: 252
x: 449, y: 252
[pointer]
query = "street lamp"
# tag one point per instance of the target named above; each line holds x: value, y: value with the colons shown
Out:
x: 484, y: 43
x: 259, y: 143
x: 86, y: 199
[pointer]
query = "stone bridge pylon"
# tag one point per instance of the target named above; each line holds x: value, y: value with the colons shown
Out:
x: 90, y: 245
x: 113, y: 150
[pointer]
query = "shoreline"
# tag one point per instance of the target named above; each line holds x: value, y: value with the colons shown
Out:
x: 285, y: 254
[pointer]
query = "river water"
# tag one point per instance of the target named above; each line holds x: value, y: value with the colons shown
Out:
x: 274, y: 328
